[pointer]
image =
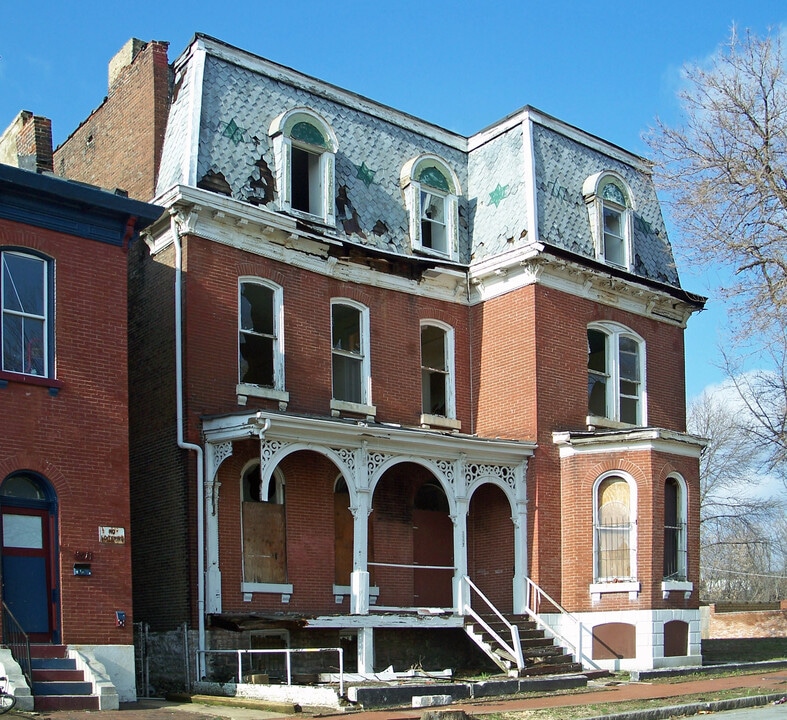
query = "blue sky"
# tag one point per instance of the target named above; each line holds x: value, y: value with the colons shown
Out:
x: 608, y: 68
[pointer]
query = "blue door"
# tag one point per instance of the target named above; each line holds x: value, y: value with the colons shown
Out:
x: 27, y: 558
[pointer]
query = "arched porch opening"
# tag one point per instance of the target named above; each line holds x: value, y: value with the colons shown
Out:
x: 491, y: 545
x: 411, y: 539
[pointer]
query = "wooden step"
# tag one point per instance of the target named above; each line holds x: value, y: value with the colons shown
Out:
x: 50, y: 703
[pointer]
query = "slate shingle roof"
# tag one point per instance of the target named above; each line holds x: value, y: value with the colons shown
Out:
x: 235, y: 103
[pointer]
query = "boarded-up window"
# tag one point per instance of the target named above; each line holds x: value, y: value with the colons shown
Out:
x: 613, y: 529
x: 676, y: 638
x: 264, y: 531
x: 614, y: 641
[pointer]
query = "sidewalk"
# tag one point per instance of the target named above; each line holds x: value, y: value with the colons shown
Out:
x: 774, y: 682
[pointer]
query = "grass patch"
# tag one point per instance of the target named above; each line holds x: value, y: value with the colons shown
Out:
x: 591, y: 710
x: 743, y: 650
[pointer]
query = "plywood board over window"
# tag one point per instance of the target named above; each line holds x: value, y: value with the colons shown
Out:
x: 264, y: 548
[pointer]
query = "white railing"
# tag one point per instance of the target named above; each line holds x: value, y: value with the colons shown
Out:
x: 515, y: 647
x: 535, y: 595
x: 287, y: 652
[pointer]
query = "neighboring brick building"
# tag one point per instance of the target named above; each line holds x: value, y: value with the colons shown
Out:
x: 403, y: 358
x: 64, y: 475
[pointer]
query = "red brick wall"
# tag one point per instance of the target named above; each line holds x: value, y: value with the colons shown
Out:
x: 212, y: 273
x: 78, y: 439
x: 119, y: 145
x: 649, y: 471
x: 490, y: 546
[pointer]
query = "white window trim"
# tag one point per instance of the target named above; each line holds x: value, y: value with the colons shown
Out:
x: 449, y: 420
x: 630, y: 584
x: 47, y: 268
x: 282, y: 153
x: 591, y: 191
x: 683, y: 552
x: 277, y: 392
x: 365, y: 407
x: 285, y: 589
x: 412, y: 195
x: 614, y: 332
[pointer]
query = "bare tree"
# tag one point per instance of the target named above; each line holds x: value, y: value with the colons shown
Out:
x: 725, y: 170
x: 741, y: 542
x: 724, y: 173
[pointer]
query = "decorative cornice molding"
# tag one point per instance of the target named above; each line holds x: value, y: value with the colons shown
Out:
x: 654, y: 439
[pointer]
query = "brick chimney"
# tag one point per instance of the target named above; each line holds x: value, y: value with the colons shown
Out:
x: 27, y: 143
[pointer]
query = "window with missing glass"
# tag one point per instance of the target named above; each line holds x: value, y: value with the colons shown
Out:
x: 615, y: 374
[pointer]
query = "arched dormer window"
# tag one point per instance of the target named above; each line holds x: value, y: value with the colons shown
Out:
x: 304, y: 146
x: 609, y: 202
x: 616, y: 375
x: 431, y: 191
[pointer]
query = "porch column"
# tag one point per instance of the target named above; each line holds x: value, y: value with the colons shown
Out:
x: 461, y: 591
x: 359, y: 578
x: 520, y: 541
x: 365, y: 650
x: 215, y: 454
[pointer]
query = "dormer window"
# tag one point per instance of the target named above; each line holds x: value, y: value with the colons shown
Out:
x: 608, y: 200
x: 304, y: 146
x: 431, y: 193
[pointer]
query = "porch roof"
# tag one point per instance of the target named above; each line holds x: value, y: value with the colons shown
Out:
x: 354, y: 433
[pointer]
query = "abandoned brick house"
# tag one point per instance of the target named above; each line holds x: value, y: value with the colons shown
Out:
x: 380, y: 371
x: 64, y: 475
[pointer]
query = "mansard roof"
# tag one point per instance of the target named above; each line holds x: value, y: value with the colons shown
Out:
x: 521, y: 179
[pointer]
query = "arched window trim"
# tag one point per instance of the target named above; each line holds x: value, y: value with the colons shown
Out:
x: 248, y: 588
x: 614, y: 332
x: 321, y: 173
x: 277, y: 391
x: 365, y: 406
x: 605, y: 584
x: 679, y: 582
x: 449, y: 419
x: 417, y: 191
x: 612, y: 241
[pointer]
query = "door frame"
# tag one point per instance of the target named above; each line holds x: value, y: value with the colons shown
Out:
x: 47, y: 509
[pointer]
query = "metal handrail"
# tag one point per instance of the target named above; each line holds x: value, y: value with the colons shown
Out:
x: 515, y: 648
x: 532, y: 607
x: 287, y: 652
x: 18, y: 641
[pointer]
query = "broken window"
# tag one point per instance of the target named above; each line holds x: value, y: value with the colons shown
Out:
x: 437, y: 382
x: 615, y: 375
x: 614, y: 541
x: 260, y: 356
x: 350, y: 352
x: 609, y: 206
x: 305, y: 148
x: 431, y: 191
x: 25, y: 294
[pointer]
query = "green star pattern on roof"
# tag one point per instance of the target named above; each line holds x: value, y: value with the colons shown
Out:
x: 498, y: 194
x: 233, y: 131
x: 365, y: 174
